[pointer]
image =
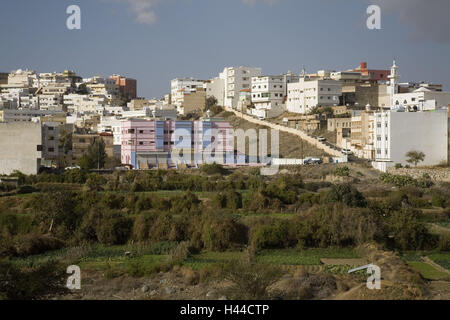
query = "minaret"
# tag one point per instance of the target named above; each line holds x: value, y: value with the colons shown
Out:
x: 393, y: 86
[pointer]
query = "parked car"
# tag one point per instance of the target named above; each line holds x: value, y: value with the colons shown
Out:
x: 313, y: 161
x: 73, y: 168
x: 122, y: 168
x: 347, y: 151
x: 321, y: 139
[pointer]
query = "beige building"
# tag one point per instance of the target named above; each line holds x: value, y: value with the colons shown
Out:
x: 20, y: 147
x: 362, y: 133
x: 81, y: 143
x: 362, y: 94
x: 138, y: 104
x: 193, y: 102
x: 336, y: 123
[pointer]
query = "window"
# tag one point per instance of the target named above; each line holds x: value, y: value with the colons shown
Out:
x: 51, y: 149
x: 130, y: 131
x: 39, y: 148
x: 141, y: 143
x: 141, y: 131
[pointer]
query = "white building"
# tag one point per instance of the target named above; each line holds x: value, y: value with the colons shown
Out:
x: 216, y: 88
x: 307, y: 94
x: 21, y: 79
x: 268, y: 94
x: 20, y: 147
x: 235, y: 79
x: 422, y: 99
x: 397, y: 132
x: 178, y: 87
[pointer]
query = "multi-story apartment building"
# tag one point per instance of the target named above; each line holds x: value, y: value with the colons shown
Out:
x: 397, y: 132
x: 180, y: 87
x: 307, y: 94
x: 20, y: 147
x: 235, y: 79
x: 193, y: 102
x: 362, y: 134
x: 82, y: 141
x: 336, y: 123
x: 67, y: 78
x: 148, y: 143
x: 216, y: 88
x: 21, y: 79
x: 422, y: 99
x: 127, y: 86
x: 24, y: 115
x: 268, y: 95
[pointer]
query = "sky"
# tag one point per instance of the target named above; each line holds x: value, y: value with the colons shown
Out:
x: 155, y: 41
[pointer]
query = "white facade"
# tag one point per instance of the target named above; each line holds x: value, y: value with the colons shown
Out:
x: 422, y: 99
x: 397, y: 133
x: 84, y: 103
x: 236, y: 79
x: 216, y: 88
x: 178, y: 87
x: 268, y: 94
x: 112, y: 125
x: 20, y: 147
x: 307, y: 94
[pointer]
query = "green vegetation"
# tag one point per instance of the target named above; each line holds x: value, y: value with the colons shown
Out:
x: 414, y: 157
x: 428, y: 271
x: 142, y: 223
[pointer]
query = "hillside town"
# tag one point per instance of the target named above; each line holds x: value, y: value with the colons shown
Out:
x: 52, y: 120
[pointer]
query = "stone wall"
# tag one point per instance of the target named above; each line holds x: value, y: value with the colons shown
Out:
x: 436, y: 174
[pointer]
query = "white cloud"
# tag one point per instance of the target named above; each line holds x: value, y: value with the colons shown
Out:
x: 142, y: 10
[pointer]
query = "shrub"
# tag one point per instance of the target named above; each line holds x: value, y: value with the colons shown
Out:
x: 30, y: 244
x: 251, y: 280
x: 220, y: 233
x: 214, y: 168
x: 113, y: 229
x: 335, y: 225
x: 32, y: 283
x: 407, y: 231
x: 346, y: 194
x: 438, y: 201
x: 342, y: 171
x: 272, y: 234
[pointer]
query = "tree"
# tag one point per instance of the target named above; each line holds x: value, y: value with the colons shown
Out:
x: 65, y: 141
x: 210, y: 102
x: 415, y: 157
x: 251, y: 280
x: 95, y: 157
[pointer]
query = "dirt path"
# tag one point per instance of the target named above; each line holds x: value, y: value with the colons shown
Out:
x: 435, y: 265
